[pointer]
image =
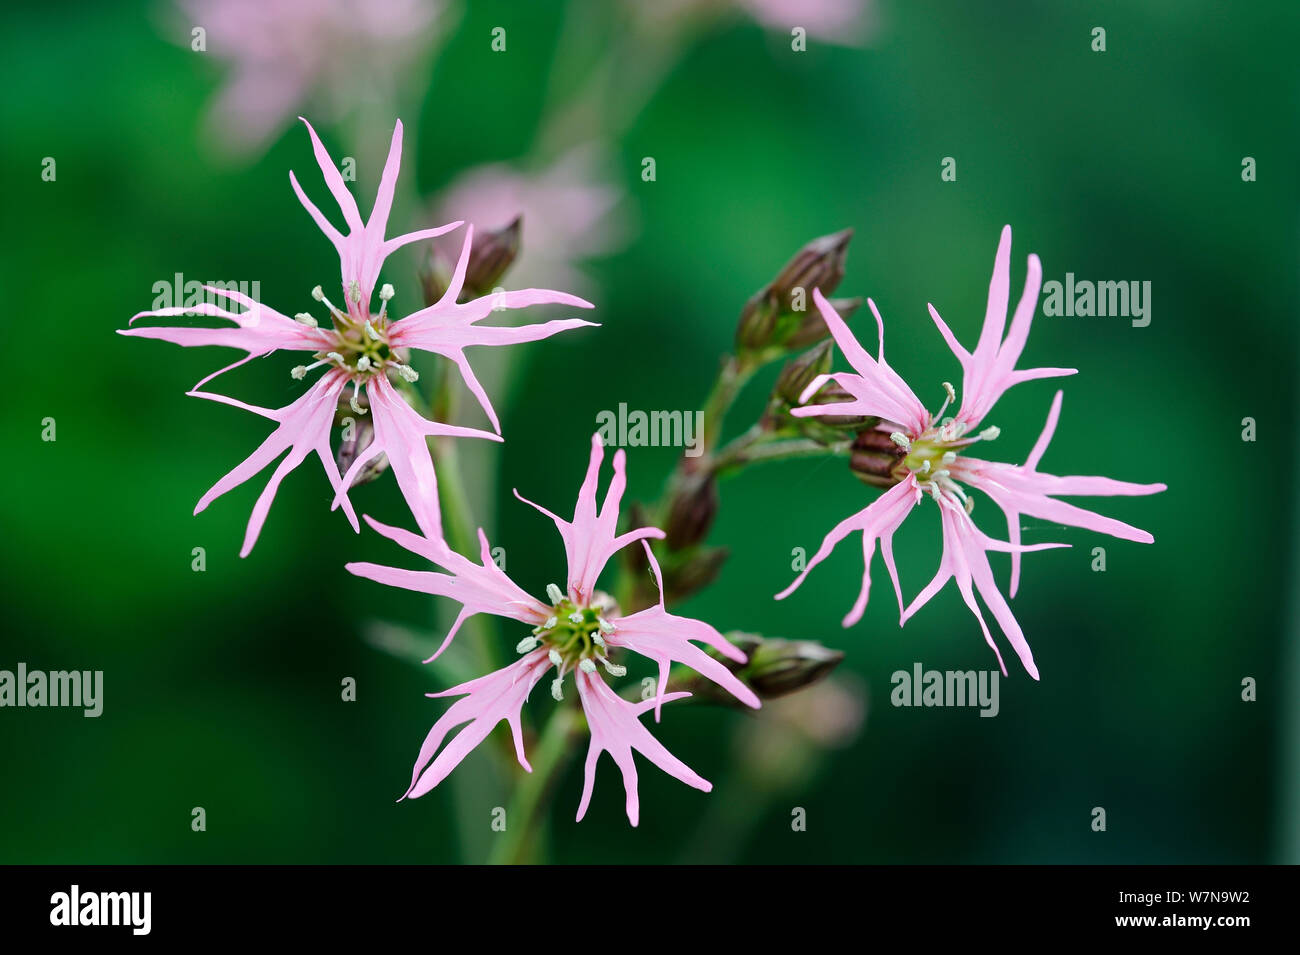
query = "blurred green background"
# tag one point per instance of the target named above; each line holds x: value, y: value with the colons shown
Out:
x: 222, y: 688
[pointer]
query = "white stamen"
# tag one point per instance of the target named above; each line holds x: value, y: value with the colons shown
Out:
x: 386, y: 292
x: 335, y: 356
x: 554, y: 593
x: 605, y: 625
x: 551, y: 622
x: 901, y: 440
x: 356, y: 392
x: 302, y: 370
x: 948, y: 457
x: 370, y: 331
x: 554, y: 656
x: 407, y: 372
x: 306, y: 318
x: 597, y: 639
x: 989, y: 433
x: 319, y: 295
x: 924, y: 468
x: 613, y: 669
x: 526, y: 644
x: 363, y: 363
x: 970, y: 505
x: 575, y: 617
x: 587, y: 665
x: 557, y: 689
x: 952, y: 396
x: 354, y: 291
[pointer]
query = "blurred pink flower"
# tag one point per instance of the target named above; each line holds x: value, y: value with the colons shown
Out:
x: 572, y: 631
x: 836, y: 21
x: 362, y: 349
x: 844, y: 22
x: 931, y: 459
x: 571, y: 212
x: 286, y: 55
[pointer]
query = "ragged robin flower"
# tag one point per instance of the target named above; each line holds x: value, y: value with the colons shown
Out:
x: 576, y: 630
x: 915, y: 453
x: 357, y: 347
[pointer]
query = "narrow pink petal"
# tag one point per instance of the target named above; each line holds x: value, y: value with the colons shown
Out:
x: 322, y: 223
x: 334, y: 180
x: 995, y: 315
x: 616, y: 729
x: 489, y: 700
x: 878, y: 520
x: 377, y: 224
x: 392, y: 245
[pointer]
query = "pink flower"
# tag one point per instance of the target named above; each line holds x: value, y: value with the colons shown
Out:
x: 574, y: 631
x: 931, y: 458
x: 284, y: 55
x: 848, y: 22
x: 361, y: 348
x: 834, y: 21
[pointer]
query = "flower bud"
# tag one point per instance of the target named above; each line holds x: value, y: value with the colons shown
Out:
x: 358, y: 433
x: 818, y: 265
x: 774, y: 667
x: 874, y: 458
x: 691, y: 511
x: 779, y: 310
x: 777, y: 667
x: 491, y: 255
x: 695, y: 572
x: 799, y: 373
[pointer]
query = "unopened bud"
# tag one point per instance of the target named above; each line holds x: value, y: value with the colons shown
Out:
x: 773, y: 667
x: 492, y: 254
x: 778, y: 313
x: 695, y: 573
x: 799, y: 373
x: 358, y: 433
x: 777, y: 667
x: 874, y: 458
x: 691, y: 511
x: 818, y: 265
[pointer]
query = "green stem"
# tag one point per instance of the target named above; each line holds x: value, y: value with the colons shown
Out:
x: 524, y: 817
x: 732, y: 377
x: 732, y: 459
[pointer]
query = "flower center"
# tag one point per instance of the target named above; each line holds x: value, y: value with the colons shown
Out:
x: 574, y: 637
x: 360, y: 348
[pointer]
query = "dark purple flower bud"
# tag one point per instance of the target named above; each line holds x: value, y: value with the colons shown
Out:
x: 875, y: 458
x: 692, y: 509
x: 778, y: 311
